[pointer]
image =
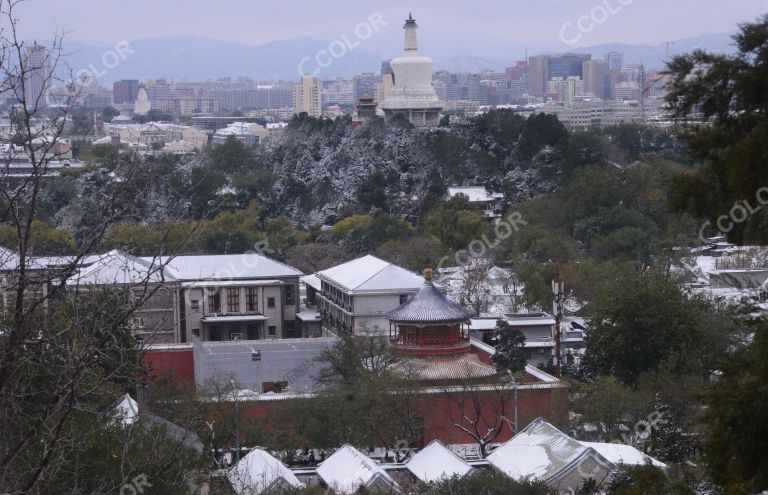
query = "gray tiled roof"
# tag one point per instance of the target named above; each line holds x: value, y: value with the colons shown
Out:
x: 429, y: 305
x: 290, y: 360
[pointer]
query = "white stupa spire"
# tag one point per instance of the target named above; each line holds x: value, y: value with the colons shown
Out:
x: 412, y: 95
x: 411, y: 42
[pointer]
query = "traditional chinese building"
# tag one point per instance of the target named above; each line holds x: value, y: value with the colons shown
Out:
x: 430, y: 325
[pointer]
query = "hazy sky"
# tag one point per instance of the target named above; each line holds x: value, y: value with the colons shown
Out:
x: 470, y: 22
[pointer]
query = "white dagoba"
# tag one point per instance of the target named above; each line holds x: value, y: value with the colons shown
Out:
x: 142, y: 105
x: 412, y: 95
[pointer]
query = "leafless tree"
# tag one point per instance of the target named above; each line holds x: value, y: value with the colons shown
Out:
x: 510, y: 284
x: 313, y: 257
x: 65, y: 355
x: 480, y: 411
x: 474, y: 284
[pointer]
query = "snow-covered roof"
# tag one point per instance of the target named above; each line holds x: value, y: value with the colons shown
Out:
x: 541, y: 452
x: 259, y: 472
x: 348, y: 469
x: 483, y: 323
x: 619, y: 453
x: 371, y: 274
x: 535, y: 372
x: 227, y: 267
x: 529, y: 319
x: 312, y: 281
x: 429, y: 305
x: 307, y: 314
x: 435, y: 462
x: 466, y: 367
x: 127, y: 410
x: 475, y: 194
x: 115, y: 267
x: 540, y: 375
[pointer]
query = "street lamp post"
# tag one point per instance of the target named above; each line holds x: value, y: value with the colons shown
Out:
x: 237, y: 423
x: 514, y: 397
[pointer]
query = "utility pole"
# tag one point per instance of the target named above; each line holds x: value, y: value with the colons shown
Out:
x: 558, y: 289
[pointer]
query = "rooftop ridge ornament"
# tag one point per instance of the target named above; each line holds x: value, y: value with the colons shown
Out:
x: 427, y: 276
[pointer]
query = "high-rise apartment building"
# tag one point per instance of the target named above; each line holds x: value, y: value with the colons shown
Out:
x: 363, y: 83
x: 518, y: 71
x: 446, y: 85
x: 37, y: 76
x: 308, y: 97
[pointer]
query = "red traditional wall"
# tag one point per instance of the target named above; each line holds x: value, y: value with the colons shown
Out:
x: 180, y: 361
x: 441, y: 410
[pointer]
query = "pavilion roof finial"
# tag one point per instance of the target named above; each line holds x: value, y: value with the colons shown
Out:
x: 427, y: 276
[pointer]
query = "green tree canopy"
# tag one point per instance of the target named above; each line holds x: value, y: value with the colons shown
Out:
x: 646, y: 323
x: 729, y: 92
x: 510, y: 348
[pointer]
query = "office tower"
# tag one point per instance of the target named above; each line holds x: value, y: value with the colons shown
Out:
x: 538, y: 74
x: 597, y: 78
x: 125, y: 91
x: 567, y: 65
x: 518, y: 71
x: 615, y: 60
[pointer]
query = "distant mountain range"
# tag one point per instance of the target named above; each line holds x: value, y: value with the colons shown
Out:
x: 652, y: 56
x: 198, y: 58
